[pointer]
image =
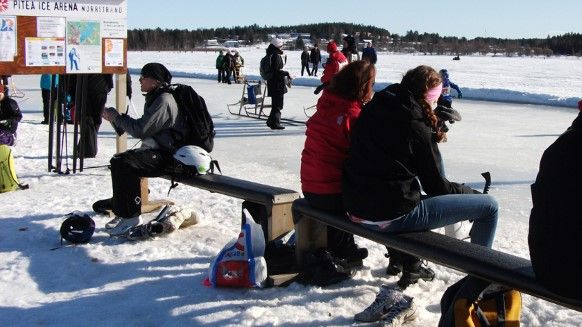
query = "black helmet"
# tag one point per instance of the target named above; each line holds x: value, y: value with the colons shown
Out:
x: 77, y: 228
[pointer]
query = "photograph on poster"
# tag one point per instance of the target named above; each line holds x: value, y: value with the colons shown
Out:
x: 41, y: 51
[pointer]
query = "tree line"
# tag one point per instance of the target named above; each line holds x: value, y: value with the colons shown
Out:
x: 412, y: 41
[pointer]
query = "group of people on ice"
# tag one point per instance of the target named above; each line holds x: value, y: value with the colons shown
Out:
x: 229, y: 64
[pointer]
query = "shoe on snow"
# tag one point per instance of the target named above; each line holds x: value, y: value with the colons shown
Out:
x: 103, y: 207
x: 124, y: 226
x: 400, y: 313
x: 145, y: 231
x: 113, y: 222
x: 410, y: 277
x: 385, y: 300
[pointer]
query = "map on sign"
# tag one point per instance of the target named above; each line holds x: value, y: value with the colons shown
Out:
x: 83, y: 33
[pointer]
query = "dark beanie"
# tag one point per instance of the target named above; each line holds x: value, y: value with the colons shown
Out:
x: 157, y: 71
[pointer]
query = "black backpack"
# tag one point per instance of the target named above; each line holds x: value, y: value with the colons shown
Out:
x: 194, y: 108
x: 265, y: 68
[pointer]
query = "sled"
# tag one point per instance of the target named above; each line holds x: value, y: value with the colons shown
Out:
x: 309, y: 111
x: 252, y: 103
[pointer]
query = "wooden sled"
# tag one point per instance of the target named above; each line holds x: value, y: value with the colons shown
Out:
x: 252, y: 103
x: 309, y: 111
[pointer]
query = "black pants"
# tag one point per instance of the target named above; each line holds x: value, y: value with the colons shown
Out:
x: 228, y: 72
x: 46, y: 103
x: 314, y: 69
x: 221, y: 76
x: 336, y: 239
x: 303, y: 67
x: 276, y: 107
x: 126, y: 169
x: 91, y: 123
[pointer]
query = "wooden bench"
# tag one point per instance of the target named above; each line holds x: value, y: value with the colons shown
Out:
x: 479, y: 261
x: 269, y: 205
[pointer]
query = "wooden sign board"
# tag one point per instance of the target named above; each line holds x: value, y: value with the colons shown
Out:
x: 63, y: 37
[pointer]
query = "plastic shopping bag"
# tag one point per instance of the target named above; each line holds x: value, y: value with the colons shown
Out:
x: 241, y: 262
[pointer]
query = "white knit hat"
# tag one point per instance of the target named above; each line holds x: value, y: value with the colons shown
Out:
x: 277, y: 42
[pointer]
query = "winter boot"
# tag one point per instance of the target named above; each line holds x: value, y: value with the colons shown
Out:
x: 395, y: 266
x: 414, y: 269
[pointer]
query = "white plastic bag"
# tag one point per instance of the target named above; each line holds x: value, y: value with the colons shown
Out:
x: 241, y: 262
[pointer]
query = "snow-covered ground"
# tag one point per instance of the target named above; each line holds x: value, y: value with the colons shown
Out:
x: 109, y: 282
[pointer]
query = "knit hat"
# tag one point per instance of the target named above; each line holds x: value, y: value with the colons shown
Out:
x: 331, y: 47
x: 580, y: 105
x: 277, y: 42
x: 157, y: 71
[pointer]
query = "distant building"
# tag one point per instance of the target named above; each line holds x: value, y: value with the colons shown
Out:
x: 231, y: 44
x: 212, y: 43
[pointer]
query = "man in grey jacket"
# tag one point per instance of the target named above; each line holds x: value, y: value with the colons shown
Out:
x: 161, y: 120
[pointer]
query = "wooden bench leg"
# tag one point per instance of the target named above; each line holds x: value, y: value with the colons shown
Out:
x: 146, y: 204
x: 309, y: 236
x: 276, y: 221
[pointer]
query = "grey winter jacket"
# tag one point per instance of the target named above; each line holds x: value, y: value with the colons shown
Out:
x: 160, y: 124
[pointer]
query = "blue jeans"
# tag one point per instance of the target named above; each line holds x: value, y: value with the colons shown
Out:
x: 443, y: 210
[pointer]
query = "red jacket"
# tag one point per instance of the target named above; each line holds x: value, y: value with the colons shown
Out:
x: 336, y: 61
x: 326, y: 145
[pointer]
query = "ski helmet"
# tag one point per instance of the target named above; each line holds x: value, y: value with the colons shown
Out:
x: 444, y: 73
x: 195, y: 157
x: 77, y: 228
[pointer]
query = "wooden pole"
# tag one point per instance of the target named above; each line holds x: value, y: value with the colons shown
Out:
x: 121, y: 105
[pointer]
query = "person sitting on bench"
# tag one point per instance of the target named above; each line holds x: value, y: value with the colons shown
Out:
x: 393, y: 156
x: 161, y: 120
x: 326, y: 146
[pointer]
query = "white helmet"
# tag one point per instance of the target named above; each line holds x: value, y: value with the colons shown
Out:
x: 194, y: 157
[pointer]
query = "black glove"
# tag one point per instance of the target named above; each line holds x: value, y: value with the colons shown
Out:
x: 460, y: 95
x: 319, y: 88
x: 447, y: 114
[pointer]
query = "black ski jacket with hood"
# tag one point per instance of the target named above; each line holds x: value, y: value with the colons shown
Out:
x: 392, y: 148
x: 276, y: 86
x: 555, y: 223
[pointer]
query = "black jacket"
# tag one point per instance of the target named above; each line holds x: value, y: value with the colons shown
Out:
x: 276, y: 85
x: 555, y: 223
x: 391, y: 149
x: 304, y: 57
x: 315, y: 56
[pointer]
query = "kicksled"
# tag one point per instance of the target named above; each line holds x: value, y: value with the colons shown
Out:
x: 252, y: 103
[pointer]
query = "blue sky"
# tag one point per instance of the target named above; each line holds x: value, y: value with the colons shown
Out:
x: 492, y: 18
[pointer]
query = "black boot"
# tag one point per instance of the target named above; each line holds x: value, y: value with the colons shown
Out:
x: 395, y: 266
x: 414, y: 269
x: 343, y: 246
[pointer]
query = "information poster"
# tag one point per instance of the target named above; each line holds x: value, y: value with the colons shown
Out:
x: 113, y: 52
x: 114, y: 28
x: 7, y: 38
x: 83, y: 47
x: 44, y: 51
x: 50, y: 27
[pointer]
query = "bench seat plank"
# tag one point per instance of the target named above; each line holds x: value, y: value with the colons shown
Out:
x: 495, y: 266
x: 238, y: 188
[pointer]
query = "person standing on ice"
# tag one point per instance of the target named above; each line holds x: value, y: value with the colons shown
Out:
x: 305, y: 61
x: 446, y: 98
x: 156, y: 128
x: 315, y: 57
x: 220, y: 67
x: 335, y: 62
x: 277, y: 83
